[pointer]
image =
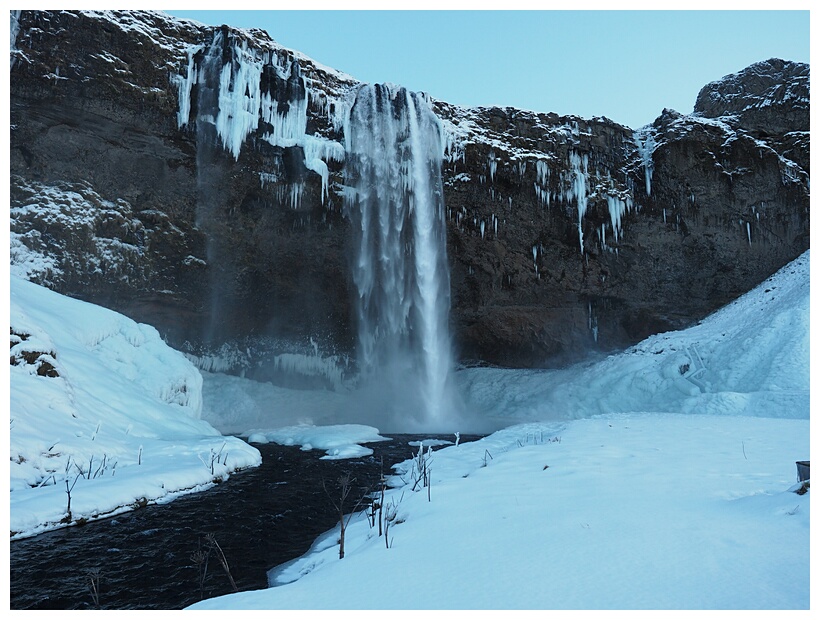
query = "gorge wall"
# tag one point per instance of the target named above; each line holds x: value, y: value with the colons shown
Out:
x: 193, y: 178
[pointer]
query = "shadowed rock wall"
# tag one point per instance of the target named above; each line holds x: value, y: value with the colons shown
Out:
x: 214, y: 210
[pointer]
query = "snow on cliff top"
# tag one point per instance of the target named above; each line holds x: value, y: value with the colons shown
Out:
x: 759, y: 85
x: 150, y: 24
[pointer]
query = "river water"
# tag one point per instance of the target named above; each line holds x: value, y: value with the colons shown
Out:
x: 146, y: 559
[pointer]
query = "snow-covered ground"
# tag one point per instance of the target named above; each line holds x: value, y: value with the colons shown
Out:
x: 661, y: 477
x: 118, y: 425
x: 628, y: 511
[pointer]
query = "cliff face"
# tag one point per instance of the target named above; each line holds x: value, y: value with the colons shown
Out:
x: 679, y: 217
x: 192, y: 178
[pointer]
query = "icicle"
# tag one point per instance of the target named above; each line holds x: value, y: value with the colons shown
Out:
x: 646, y: 144
x: 595, y: 330
x: 542, y: 172
x: 542, y: 175
x: 310, y: 366
x: 296, y: 195
x: 493, y: 163
x: 14, y: 26
x: 184, y: 86
x: 239, y: 100
x: 237, y: 105
x: 288, y: 126
x: 578, y: 167
x: 617, y: 208
x: 317, y: 150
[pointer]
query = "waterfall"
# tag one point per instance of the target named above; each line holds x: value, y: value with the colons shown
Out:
x: 211, y: 181
x: 395, y: 202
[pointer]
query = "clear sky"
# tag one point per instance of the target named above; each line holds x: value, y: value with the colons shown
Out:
x: 625, y: 65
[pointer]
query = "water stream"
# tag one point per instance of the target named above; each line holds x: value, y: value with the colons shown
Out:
x: 145, y: 559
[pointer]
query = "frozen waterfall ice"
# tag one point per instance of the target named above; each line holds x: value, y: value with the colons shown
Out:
x: 395, y: 203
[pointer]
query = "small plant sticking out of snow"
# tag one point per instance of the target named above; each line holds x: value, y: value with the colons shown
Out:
x: 376, y: 511
x: 486, y: 454
x: 391, y: 517
x: 537, y: 439
x: 69, y: 487
x: 214, y: 459
x: 344, y: 484
x: 421, y: 468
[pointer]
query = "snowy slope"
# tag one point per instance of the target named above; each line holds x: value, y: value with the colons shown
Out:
x: 750, y: 358
x: 97, y: 393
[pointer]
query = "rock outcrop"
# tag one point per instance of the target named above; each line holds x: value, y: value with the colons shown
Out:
x: 192, y: 178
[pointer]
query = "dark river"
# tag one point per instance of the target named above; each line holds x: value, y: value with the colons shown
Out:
x: 147, y: 559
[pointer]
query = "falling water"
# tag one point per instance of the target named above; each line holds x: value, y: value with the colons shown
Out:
x: 396, y: 205
x: 210, y: 179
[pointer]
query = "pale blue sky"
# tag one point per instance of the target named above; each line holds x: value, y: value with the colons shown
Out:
x: 625, y: 65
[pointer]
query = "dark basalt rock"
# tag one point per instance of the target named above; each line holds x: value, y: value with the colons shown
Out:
x: 21, y: 353
x: 113, y: 200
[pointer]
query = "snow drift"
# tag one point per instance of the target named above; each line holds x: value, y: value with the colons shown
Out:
x: 101, y: 407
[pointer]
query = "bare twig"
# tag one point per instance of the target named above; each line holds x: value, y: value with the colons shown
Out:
x: 345, y: 484
x: 222, y: 559
x: 94, y: 585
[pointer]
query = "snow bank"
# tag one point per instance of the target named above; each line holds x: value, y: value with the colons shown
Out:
x: 616, y: 512
x: 340, y: 441
x: 750, y: 358
x: 101, y: 407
